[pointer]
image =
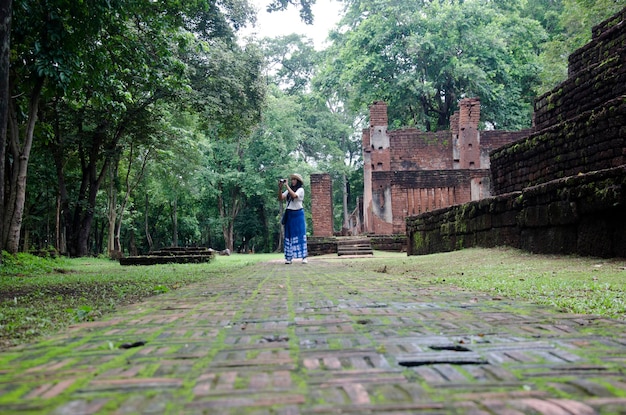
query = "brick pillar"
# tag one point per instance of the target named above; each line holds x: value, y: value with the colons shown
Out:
x: 456, y: 147
x: 322, y: 204
x: 367, y: 181
x: 378, y: 114
x: 469, y: 145
x: 376, y: 157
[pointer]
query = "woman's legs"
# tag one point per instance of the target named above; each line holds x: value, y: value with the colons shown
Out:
x: 295, y: 236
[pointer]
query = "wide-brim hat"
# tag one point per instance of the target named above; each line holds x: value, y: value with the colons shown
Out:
x: 297, y: 177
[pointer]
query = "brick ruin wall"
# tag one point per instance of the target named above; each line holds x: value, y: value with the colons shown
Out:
x: 563, y: 188
x: 582, y: 214
x: 322, y: 205
x: 417, y: 173
x: 411, y: 149
x: 415, y: 192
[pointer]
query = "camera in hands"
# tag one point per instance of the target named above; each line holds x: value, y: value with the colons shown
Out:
x: 283, y: 180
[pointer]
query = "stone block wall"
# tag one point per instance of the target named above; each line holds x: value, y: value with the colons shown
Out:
x: 606, y: 39
x: 392, y: 243
x: 582, y: 214
x: 580, y: 125
x: 322, y: 205
x: 596, y: 73
x: 594, y: 140
x: 329, y: 245
x: 321, y: 245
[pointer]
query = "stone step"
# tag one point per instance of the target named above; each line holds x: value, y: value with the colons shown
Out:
x: 355, y: 253
x: 360, y: 247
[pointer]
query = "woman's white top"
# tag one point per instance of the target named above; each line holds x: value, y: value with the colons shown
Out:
x: 295, y: 204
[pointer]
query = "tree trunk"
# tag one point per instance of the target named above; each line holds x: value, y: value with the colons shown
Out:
x: 228, y: 215
x: 132, y: 246
x: 346, y: 214
x: 130, y: 188
x: 112, y: 243
x: 14, y: 206
x: 99, y: 242
x: 281, y: 210
x: 26, y: 240
x: 147, y: 226
x: 230, y: 236
x: 5, y: 51
x: 94, y: 165
x: 57, y: 225
x: 174, y: 218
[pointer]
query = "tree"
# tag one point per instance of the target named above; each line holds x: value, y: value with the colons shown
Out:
x: 325, y: 125
x: 96, y: 68
x: 136, y: 160
x: 306, y: 14
x: 422, y: 57
x: 5, y: 51
x: 290, y: 62
x: 46, y: 49
x: 568, y: 24
x: 273, y: 154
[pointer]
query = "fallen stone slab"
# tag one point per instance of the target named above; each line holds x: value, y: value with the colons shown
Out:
x: 161, y: 259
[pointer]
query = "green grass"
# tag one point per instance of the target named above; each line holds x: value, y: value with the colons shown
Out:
x: 572, y: 284
x: 39, y: 296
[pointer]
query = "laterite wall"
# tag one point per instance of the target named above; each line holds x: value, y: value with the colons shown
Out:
x: 580, y: 125
x: 581, y: 214
x: 562, y: 189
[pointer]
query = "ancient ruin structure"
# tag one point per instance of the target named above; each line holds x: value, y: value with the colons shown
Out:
x: 557, y: 188
x: 562, y: 189
x: 408, y: 171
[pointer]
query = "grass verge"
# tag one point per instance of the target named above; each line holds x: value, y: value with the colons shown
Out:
x: 570, y: 283
x: 39, y: 296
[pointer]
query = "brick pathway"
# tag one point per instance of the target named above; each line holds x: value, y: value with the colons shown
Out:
x: 323, y: 338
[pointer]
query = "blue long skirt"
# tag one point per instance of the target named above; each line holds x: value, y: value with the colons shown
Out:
x: 295, y: 234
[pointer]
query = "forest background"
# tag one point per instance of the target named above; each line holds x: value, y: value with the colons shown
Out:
x: 131, y: 125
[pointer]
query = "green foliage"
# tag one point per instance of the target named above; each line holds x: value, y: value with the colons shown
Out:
x: 25, y: 264
x: 290, y: 62
x: 306, y: 14
x: 161, y: 289
x: 434, y: 54
x: 82, y: 313
x: 217, y: 123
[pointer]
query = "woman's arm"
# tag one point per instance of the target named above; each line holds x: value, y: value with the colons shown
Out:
x: 290, y: 192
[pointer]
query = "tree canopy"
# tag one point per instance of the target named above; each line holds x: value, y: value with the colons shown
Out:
x: 131, y: 125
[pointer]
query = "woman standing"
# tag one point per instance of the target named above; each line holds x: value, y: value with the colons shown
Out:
x: 295, y: 225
